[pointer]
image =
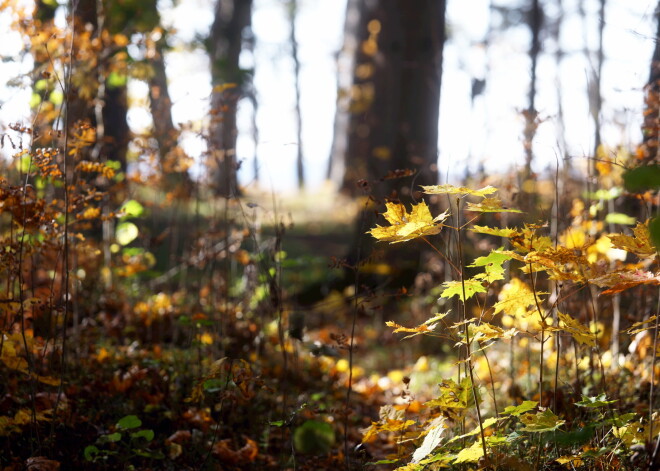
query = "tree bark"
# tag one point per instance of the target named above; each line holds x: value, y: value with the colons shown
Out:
x: 225, y: 43
x: 648, y: 151
x: 394, y: 98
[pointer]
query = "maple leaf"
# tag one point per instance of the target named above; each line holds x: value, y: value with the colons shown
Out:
x: 420, y: 329
x: 407, y: 226
x: 455, y: 288
x: 641, y: 326
x: 471, y: 454
x: 448, y: 189
x: 433, y: 438
x: 490, y: 205
x: 492, y: 263
x: 619, y: 281
x: 526, y: 406
x: 496, y: 231
x: 486, y: 331
x: 639, y: 243
x: 515, y: 299
x: 578, y: 331
x: 544, y: 421
x: 452, y: 395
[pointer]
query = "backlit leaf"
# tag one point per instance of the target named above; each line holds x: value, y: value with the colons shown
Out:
x: 448, y: 189
x: 578, y: 331
x: 490, y: 205
x: 452, y: 395
x: 515, y: 299
x: 526, y: 406
x: 639, y: 243
x: 471, y: 454
x: 544, y: 421
x: 435, y: 432
x: 455, y: 288
x: 406, y: 226
x: 594, y: 401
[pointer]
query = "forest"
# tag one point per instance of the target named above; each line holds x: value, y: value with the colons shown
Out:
x: 329, y: 235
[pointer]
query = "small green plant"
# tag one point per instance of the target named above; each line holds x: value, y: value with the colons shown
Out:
x: 128, y: 441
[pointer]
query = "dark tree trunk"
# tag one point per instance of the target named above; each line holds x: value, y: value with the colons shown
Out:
x: 649, y: 148
x: 394, y: 97
x: 161, y: 104
x: 531, y: 113
x: 225, y: 43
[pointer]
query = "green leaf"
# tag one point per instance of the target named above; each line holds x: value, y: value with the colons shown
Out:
x: 526, y: 406
x: 452, y: 395
x: 495, y: 257
x: 572, y: 438
x: 131, y: 209
x: 153, y: 454
x: 126, y: 233
x: 544, y: 421
x: 455, y: 288
x: 148, y: 435
x: 314, y: 437
x: 110, y: 438
x: 129, y: 422
x: 116, y: 80
x: 620, y: 218
x: 276, y: 423
x: 91, y: 452
x: 594, y: 401
x: 56, y: 97
x: 643, y: 178
x: 654, y: 230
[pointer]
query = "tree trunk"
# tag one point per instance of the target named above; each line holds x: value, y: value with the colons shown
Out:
x: 300, y: 165
x: 394, y: 98
x: 225, y: 43
x: 531, y: 113
x: 648, y: 151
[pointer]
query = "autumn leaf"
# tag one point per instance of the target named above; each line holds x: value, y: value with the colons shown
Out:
x: 544, y: 421
x: 486, y: 331
x: 639, y: 243
x: 455, y: 288
x: 496, y: 231
x: 641, y: 326
x: 594, y: 401
x: 448, y: 189
x: 420, y: 329
x: 407, y: 226
x: 526, y: 406
x: 433, y: 438
x: 515, y: 299
x: 471, y: 454
x: 490, y: 205
x: 492, y: 263
x: 452, y: 395
x: 578, y: 331
x: 619, y: 281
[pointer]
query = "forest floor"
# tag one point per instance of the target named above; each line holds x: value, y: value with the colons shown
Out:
x: 299, y: 364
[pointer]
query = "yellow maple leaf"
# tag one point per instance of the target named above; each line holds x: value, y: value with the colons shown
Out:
x: 407, y: 226
x: 516, y: 297
x: 420, y: 329
x: 639, y: 243
x: 448, y: 189
x: 578, y: 331
x: 490, y: 205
